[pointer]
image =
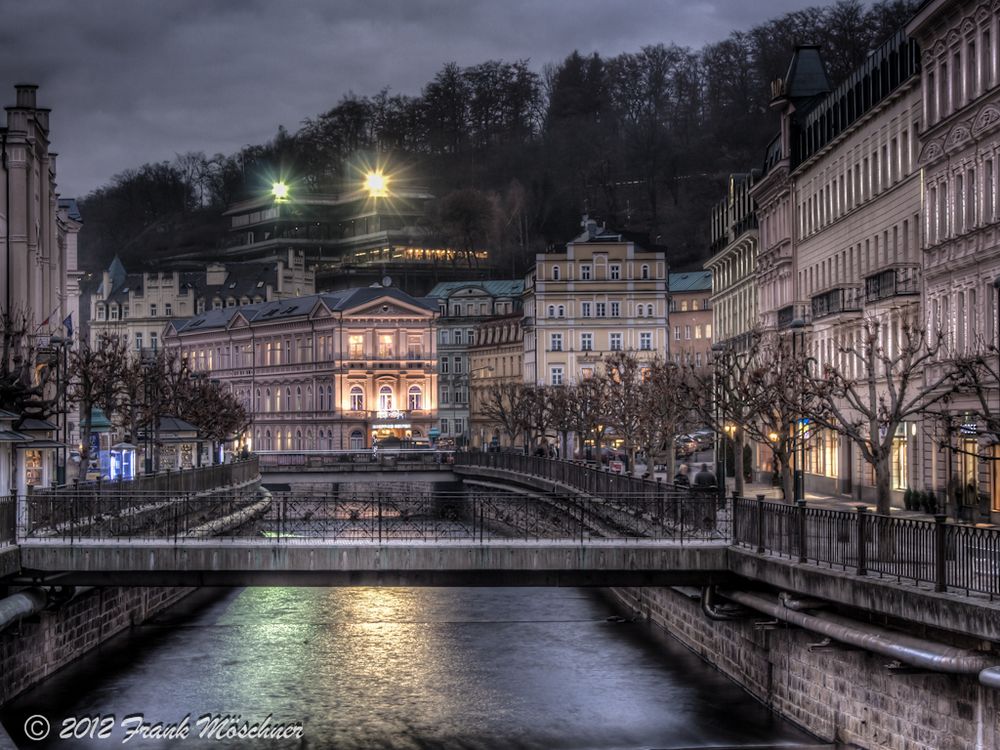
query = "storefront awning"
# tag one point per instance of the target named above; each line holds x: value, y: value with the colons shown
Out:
x: 12, y: 436
x: 39, y: 445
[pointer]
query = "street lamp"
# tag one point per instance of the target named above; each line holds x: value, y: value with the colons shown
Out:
x: 797, y: 327
x: 280, y: 191
x: 377, y: 184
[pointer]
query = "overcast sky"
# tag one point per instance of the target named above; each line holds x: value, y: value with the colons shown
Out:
x: 132, y: 81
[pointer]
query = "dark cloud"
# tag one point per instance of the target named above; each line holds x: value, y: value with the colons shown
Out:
x: 130, y: 82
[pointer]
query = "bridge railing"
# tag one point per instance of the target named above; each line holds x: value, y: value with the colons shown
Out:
x: 8, y: 519
x: 319, y: 459
x: 946, y: 555
x: 201, y: 479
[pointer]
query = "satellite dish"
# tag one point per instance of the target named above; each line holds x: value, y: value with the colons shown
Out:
x: 387, y: 281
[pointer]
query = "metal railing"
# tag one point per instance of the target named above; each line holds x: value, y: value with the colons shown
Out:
x: 8, y: 519
x: 948, y: 556
x: 381, y: 457
x: 178, y: 482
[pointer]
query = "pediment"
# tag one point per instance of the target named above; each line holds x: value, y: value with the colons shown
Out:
x: 239, y: 321
x: 931, y: 151
x: 987, y: 117
x: 387, y: 308
x: 959, y: 135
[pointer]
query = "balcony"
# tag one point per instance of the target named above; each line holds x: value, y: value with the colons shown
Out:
x: 901, y: 281
x: 387, y: 363
x: 836, y: 301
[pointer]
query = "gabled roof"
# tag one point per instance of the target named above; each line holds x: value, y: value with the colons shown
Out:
x: 495, y: 287
x: 693, y: 281
x: 806, y: 76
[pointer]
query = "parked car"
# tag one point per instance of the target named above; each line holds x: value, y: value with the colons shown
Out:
x: 704, y: 439
x: 684, y: 446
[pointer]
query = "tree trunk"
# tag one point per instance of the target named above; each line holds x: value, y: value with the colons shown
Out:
x: 738, y: 464
x: 882, y: 485
x: 787, y: 482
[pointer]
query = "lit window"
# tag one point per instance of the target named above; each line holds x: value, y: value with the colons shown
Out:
x: 385, y: 400
x: 415, y: 398
x: 357, y: 398
x: 356, y: 346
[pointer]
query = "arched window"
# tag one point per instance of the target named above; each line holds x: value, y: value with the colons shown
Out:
x: 416, y: 398
x: 555, y: 273
x: 649, y: 311
x: 385, y: 398
x: 310, y: 442
x: 288, y: 439
x: 357, y: 441
x: 357, y: 398
x: 562, y: 311
x: 309, y: 398
x: 329, y: 398
x: 267, y: 441
x: 298, y: 440
x: 276, y: 403
x: 644, y: 272
x: 288, y: 399
x: 257, y: 401
x: 552, y: 311
x: 319, y: 398
x: 298, y: 398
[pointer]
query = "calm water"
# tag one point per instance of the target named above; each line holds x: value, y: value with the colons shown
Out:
x: 406, y: 668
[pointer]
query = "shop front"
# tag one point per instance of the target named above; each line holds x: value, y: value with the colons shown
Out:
x: 395, y: 428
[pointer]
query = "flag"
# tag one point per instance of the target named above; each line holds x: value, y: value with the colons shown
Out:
x: 68, y: 325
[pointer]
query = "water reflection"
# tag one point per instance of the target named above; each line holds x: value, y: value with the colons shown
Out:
x: 411, y: 668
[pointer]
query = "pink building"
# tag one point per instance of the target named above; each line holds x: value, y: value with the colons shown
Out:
x: 325, y: 371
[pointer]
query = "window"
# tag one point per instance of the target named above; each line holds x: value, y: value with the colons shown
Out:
x: 124, y: 312
x: 704, y: 303
x: 357, y: 441
x: 697, y: 331
x: 556, y: 375
x: 152, y: 310
x: 672, y: 307
x: 444, y: 365
x: 687, y: 332
x: 601, y: 309
x: 458, y: 365
x: 138, y: 342
x: 555, y: 273
x: 677, y: 333
x: 585, y: 272
x: 646, y: 341
x: 445, y: 395
x: 562, y: 311
x: 585, y: 309
x: 649, y: 311
x: 168, y: 309
x: 458, y: 336
x: 357, y: 398
x: 444, y: 426
x: 684, y: 305
x: 615, y: 309
x: 615, y: 342
x: 644, y: 273
x: 708, y: 330
x: 444, y: 337
x: 555, y: 342
x: 114, y: 312
x: 460, y: 396
x: 152, y: 341
x: 415, y: 398
x: 386, y: 347
x: 552, y: 311
x: 385, y: 400
x: 697, y: 359
x: 614, y: 271
x: 586, y: 342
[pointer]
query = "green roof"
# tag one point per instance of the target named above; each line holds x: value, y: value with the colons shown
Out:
x: 694, y: 281
x: 496, y: 287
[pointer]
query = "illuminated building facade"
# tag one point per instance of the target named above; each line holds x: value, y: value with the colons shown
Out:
x: 691, y: 317
x: 332, y: 371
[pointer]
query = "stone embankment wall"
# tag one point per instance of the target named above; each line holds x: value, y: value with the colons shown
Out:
x: 38, y: 647
x: 834, y: 692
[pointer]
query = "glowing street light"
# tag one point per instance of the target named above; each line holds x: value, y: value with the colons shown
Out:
x: 280, y: 191
x: 377, y: 184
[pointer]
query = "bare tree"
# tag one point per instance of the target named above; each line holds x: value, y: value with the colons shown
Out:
x: 626, y: 407
x: 888, y: 376
x: 665, y: 410
x: 588, y: 408
x: 94, y: 380
x: 503, y: 406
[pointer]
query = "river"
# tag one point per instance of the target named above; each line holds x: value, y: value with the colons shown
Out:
x: 411, y: 668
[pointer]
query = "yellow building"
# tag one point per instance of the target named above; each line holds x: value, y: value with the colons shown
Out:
x: 600, y: 295
x: 496, y: 357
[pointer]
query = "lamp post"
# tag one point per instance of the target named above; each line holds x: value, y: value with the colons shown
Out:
x: 797, y: 327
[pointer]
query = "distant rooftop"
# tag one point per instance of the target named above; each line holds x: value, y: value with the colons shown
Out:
x: 495, y: 287
x: 694, y: 281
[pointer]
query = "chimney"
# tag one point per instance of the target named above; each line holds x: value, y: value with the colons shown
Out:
x: 106, y: 284
x: 26, y: 95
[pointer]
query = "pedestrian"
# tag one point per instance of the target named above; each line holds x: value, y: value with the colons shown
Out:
x: 704, y: 478
x: 681, y: 478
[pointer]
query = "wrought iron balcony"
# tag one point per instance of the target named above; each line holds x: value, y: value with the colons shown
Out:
x: 899, y: 281
x: 836, y: 301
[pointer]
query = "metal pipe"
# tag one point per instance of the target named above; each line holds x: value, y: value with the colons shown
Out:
x: 990, y: 677
x: 23, y: 604
x: 711, y: 608
x: 916, y: 652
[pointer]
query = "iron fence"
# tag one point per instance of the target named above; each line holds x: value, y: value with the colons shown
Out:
x: 8, y: 519
x: 201, y: 479
x: 348, y: 460
x: 945, y: 555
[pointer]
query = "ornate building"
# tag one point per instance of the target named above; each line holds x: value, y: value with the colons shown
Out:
x: 138, y: 306
x: 330, y: 371
x: 602, y: 294
x: 960, y: 161
x: 496, y: 357
x: 463, y: 304
x: 691, y: 317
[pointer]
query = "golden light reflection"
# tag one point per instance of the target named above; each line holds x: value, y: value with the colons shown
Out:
x: 377, y: 184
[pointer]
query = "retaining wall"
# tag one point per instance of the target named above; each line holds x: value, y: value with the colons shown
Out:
x: 836, y: 693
